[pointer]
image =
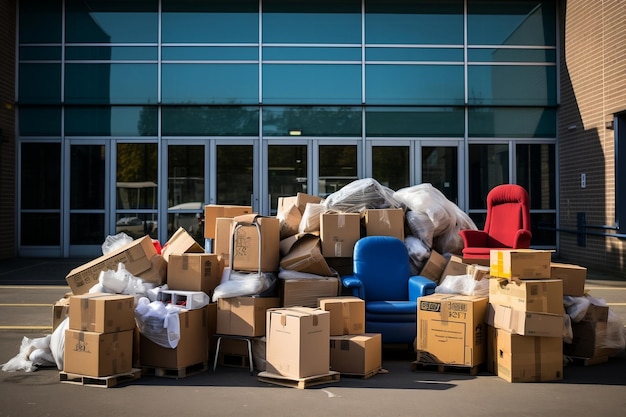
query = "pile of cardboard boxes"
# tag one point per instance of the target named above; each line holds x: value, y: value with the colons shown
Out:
x: 308, y: 326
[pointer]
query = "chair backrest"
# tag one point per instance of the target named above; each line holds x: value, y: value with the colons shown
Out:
x: 382, y: 264
x: 508, y: 210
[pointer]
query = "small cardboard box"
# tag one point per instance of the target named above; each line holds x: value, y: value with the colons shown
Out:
x: 434, y: 266
x: 525, y: 323
x: 298, y: 342
x: 192, y: 348
x: 137, y: 257
x: 247, y: 244
x: 306, y: 291
x: 591, y: 340
x: 102, y: 313
x: 339, y: 233
x: 516, y: 358
x: 194, y: 272
x: 573, y: 277
x: 305, y: 255
x: 244, y: 316
x: 347, y: 314
x: 356, y: 354
x: 60, y: 311
x: 451, y: 329
x: 540, y: 296
x: 520, y: 263
x: 98, y: 354
x: 455, y: 267
x: 180, y: 242
x: 213, y: 211
x: 384, y: 222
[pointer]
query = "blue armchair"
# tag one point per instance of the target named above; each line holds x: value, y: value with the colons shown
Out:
x: 381, y: 277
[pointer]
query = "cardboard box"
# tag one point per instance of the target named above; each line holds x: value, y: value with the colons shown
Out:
x: 192, y: 348
x: 516, y: 358
x: 102, y: 313
x: 305, y: 255
x: 451, y: 329
x: 455, y: 267
x: 525, y: 323
x: 540, y: 296
x: 221, y: 243
x: 596, y: 313
x: 60, y: 311
x: 573, y: 277
x: 247, y: 244
x: 305, y: 292
x: 433, y: 268
x: 384, y: 222
x: 520, y: 263
x: 213, y: 211
x: 591, y: 340
x: 98, y: 354
x: 137, y: 257
x: 194, y: 272
x: 339, y: 233
x: 356, y: 354
x: 180, y: 242
x: 289, y: 216
x: 347, y: 314
x: 297, y: 344
x: 244, y: 316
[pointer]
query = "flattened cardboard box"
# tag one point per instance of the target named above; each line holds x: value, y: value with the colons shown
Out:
x: 98, y: 354
x: 540, y: 296
x: 102, y: 313
x: 305, y: 255
x: 356, y: 354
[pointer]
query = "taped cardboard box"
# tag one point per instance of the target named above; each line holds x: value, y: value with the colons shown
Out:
x: 339, y: 233
x: 520, y: 263
x: 573, y: 277
x: 359, y: 355
x: 306, y: 291
x: 213, y: 211
x: 244, y: 316
x: 525, y: 323
x: 347, y: 314
x: 541, y: 296
x: 194, y: 272
x: 98, y: 354
x: 248, y: 244
x: 102, y: 313
x: 384, y: 222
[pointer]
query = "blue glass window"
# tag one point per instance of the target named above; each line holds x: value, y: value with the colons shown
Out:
x: 40, y: 21
x: 111, y: 83
x: 414, y: 84
x: 435, y: 22
x: 524, y: 85
x: 311, y: 84
x: 414, y: 121
x: 207, y: 21
x: 210, y: 121
x: 40, y: 121
x: 521, y: 22
x: 210, y: 53
x: 112, y: 53
x: 511, y: 55
x: 311, y: 54
x: 105, y: 21
x: 312, y: 121
x: 111, y: 121
x: 325, y: 21
x: 40, y: 83
x: 210, y: 83
x: 512, y: 122
x: 414, y: 54
x: 40, y: 53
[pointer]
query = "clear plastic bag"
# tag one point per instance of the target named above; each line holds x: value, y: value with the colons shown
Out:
x: 360, y: 195
x: 113, y: 242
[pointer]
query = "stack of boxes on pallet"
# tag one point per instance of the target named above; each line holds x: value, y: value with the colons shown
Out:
x: 525, y: 317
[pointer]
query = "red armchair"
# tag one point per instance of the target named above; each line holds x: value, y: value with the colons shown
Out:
x: 507, y: 225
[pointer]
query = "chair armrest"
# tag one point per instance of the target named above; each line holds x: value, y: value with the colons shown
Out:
x: 420, y: 286
x: 474, y: 238
x: 355, y: 285
x: 522, y: 239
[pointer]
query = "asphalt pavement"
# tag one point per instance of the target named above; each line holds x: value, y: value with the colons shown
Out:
x: 29, y: 287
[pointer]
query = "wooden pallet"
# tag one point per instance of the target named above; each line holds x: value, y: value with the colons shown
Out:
x: 300, y: 383
x: 103, y: 381
x: 444, y: 368
x: 177, y: 373
x: 366, y: 375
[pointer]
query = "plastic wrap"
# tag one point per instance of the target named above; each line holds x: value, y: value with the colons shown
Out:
x: 158, y: 322
x: 360, y: 195
x: 419, y: 253
x: 568, y: 333
x: 57, y: 343
x: 613, y: 337
x: 33, y: 354
x: 420, y: 226
x: 242, y: 283
x: 113, y: 242
x: 464, y: 285
x: 576, y: 307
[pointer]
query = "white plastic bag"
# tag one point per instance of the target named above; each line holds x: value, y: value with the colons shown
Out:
x: 57, y: 343
x: 33, y: 354
x: 158, y: 322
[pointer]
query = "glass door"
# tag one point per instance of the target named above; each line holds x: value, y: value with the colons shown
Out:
x: 234, y: 176
x: 338, y: 165
x: 287, y: 171
x: 440, y: 166
x: 389, y: 163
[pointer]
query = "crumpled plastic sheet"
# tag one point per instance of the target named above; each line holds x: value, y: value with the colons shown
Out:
x: 33, y: 354
x: 360, y: 195
x: 113, y: 242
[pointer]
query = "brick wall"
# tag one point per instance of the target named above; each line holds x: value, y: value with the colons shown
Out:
x: 593, y: 80
x: 7, y: 126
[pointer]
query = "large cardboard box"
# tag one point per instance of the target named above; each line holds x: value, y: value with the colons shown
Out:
x: 244, y: 316
x: 98, y: 354
x: 517, y: 358
x: 573, y: 277
x: 347, y: 314
x: 356, y: 354
x: 339, y: 233
x: 194, y: 272
x: 305, y: 255
x: 192, y: 348
x: 451, y: 329
x: 213, y: 211
x: 247, y: 244
x: 526, y: 323
x: 305, y: 292
x: 180, y: 242
x: 434, y: 266
x: 137, y: 257
x: 540, y: 296
x: 102, y: 313
x: 384, y: 222
x: 520, y: 263
x: 298, y: 342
